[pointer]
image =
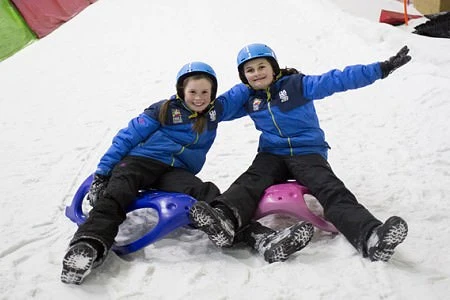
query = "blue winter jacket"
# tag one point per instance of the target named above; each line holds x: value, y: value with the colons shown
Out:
x: 285, y: 113
x: 174, y: 143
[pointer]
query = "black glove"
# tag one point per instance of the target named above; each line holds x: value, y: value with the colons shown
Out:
x: 97, y: 188
x: 395, y: 62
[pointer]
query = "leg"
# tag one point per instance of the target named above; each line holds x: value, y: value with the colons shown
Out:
x: 274, y: 245
x: 181, y: 181
x: 94, y: 238
x: 244, y: 194
x: 128, y: 177
x: 340, y: 206
x: 236, y: 207
x: 365, y: 232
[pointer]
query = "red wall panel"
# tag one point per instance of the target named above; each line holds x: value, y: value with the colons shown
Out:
x: 44, y: 16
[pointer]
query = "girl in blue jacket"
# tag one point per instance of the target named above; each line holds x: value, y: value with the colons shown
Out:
x: 292, y: 146
x: 163, y: 148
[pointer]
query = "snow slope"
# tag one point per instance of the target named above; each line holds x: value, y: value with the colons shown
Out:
x: 63, y: 98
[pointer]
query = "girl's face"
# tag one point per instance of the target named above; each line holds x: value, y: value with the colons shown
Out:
x: 259, y: 73
x: 197, y: 93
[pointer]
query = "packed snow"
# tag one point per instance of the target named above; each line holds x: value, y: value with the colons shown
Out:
x: 64, y: 97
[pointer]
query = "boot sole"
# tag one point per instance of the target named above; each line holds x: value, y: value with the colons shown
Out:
x: 203, y: 217
x: 77, y: 264
x: 396, y: 232
x: 298, y: 237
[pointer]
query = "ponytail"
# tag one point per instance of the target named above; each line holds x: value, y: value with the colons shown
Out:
x: 200, y: 123
x: 288, y: 71
x: 162, y: 116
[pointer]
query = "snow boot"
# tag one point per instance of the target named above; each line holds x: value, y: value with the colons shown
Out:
x: 384, y: 238
x: 213, y: 222
x: 78, y: 262
x: 279, y: 245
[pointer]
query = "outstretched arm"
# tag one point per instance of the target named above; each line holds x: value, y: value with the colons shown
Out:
x: 232, y: 103
x: 352, y: 77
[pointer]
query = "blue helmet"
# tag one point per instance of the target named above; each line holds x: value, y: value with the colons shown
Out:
x: 253, y: 51
x: 194, y: 68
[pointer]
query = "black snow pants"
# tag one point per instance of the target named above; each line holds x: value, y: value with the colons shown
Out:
x: 128, y: 177
x: 340, y: 206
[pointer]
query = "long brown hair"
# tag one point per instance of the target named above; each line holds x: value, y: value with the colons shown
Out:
x: 200, y: 118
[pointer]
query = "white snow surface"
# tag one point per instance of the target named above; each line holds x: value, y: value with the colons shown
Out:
x: 64, y: 97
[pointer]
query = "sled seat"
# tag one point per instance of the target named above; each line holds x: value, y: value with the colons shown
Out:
x: 288, y: 198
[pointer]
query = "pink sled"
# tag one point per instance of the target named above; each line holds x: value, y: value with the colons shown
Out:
x: 288, y: 198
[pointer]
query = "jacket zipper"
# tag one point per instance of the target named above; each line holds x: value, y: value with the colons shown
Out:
x: 184, y: 147
x: 269, y: 108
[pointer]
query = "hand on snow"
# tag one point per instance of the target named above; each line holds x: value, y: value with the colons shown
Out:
x: 97, y: 188
x: 395, y: 62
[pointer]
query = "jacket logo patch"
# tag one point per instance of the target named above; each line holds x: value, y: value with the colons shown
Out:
x: 212, y: 115
x: 176, y: 116
x: 256, y: 104
x: 283, y: 96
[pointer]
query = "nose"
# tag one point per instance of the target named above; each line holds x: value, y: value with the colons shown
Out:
x: 256, y: 74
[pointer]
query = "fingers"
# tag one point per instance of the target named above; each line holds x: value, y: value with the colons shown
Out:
x: 403, y: 51
x: 402, y: 57
x: 407, y: 58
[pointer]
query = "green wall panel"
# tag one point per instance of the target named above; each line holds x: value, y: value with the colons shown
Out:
x: 14, y: 32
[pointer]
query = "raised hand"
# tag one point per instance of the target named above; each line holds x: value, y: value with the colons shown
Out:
x: 395, y: 62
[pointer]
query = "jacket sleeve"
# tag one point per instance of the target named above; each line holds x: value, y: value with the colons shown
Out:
x: 232, y: 102
x: 137, y: 131
x: 352, y: 77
